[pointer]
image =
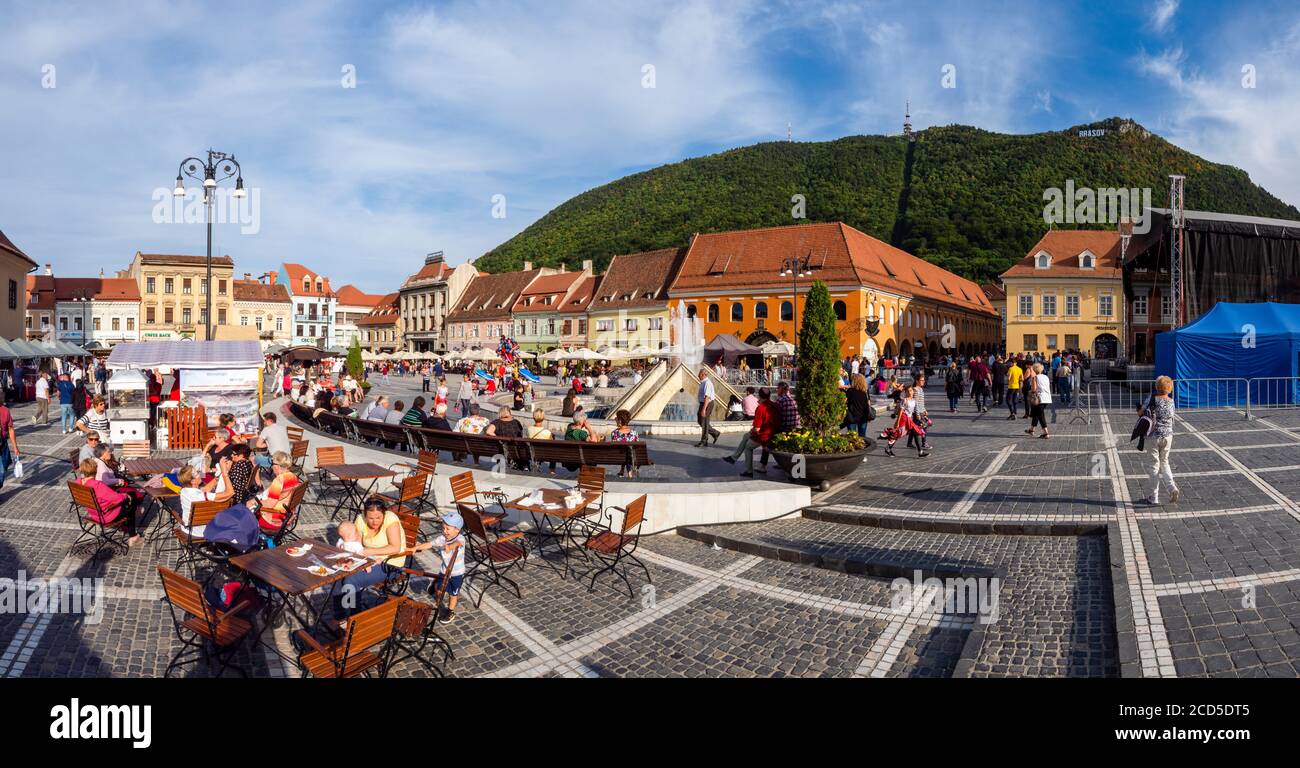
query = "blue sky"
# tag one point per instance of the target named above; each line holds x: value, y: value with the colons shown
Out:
x: 456, y: 102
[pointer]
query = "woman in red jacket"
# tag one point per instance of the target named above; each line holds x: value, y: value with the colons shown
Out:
x: 113, y: 504
x: 766, y: 420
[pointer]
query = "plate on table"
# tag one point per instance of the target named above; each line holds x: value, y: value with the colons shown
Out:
x: 318, y: 570
x: 297, y: 551
x: 349, y: 564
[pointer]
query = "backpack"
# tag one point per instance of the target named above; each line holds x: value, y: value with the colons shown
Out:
x: 235, y: 528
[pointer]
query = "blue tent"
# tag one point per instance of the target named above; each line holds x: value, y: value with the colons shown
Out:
x: 1210, y: 358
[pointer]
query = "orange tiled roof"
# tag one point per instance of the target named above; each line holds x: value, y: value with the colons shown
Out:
x: 840, y: 256
x: 556, y: 287
x: 43, y: 287
x: 386, y: 312
x: 993, y: 291
x: 637, y: 280
x: 491, y: 297
x: 296, y: 272
x: 351, y: 296
x: 435, y: 271
x: 1064, y: 246
x: 99, y: 289
x: 255, y: 290
x: 581, y: 295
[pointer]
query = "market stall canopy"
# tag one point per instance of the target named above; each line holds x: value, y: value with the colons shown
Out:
x: 729, y: 349
x: 198, y: 355
x: 25, y: 349
x: 311, y: 354
x: 70, y: 350
x: 274, y: 349
x: 7, y: 352
x: 336, y: 352
x: 776, y: 348
x: 554, y: 354
x: 582, y: 353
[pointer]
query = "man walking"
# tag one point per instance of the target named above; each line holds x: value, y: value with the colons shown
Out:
x: 42, y: 399
x: 1015, y: 376
x: 67, y: 417
x: 707, y: 396
x: 424, y: 371
x: 999, y: 368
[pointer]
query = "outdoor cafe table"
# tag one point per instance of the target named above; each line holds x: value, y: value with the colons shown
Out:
x: 351, y: 476
x: 292, y: 584
x: 559, y: 518
x: 142, y: 467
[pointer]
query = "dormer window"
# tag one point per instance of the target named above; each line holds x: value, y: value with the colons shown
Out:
x: 306, y: 285
x: 1087, y: 260
x: 1042, y: 260
x: 320, y: 286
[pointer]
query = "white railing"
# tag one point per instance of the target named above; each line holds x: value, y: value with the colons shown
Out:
x: 1244, y: 396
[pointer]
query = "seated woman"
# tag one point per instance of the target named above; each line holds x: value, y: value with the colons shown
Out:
x: 623, y: 433
x: 379, y: 532
x: 193, y: 489
x: 735, y: 410
x: 271, y: 514
x: 112, y: 504
x: 240, y: 474
x: 106, y: 472
x: 539, y: 431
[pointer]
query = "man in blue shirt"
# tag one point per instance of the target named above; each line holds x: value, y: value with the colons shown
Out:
x: 66, y: 415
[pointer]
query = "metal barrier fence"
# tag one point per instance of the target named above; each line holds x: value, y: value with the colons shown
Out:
x: 1244, y: 396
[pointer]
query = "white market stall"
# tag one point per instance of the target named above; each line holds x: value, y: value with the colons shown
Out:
x: 128, y: 407
x: 222, y: 376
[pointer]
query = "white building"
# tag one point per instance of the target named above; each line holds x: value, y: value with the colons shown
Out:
x: 313, y: 306
x: 95, y: 309
x: 266, y: 307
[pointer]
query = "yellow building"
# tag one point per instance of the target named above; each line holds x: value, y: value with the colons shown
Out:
x: 14, y: 266
x: 173, y: 294
x: 1067, y: 294
x: 629, y: 307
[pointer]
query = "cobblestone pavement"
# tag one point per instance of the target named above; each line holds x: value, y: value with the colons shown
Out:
x: 1059, y: 567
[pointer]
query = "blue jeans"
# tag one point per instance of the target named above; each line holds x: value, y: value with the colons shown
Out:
x: 67, y: 419
x: 347, y: 597
x: 262, y: 460
x: 4, y: 459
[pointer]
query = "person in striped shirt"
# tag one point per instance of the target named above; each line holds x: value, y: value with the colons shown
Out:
x: 415, y: 416
x: 96, y: 420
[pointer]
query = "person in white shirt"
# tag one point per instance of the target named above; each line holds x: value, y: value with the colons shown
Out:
x: 77, y: 374
x: 603, y: 380
x: 378, y: 410
x: 274, y: 438
x: 42, y: 399
x: 1038, y: 413
x: 449, y: 548
x: 192, y: 490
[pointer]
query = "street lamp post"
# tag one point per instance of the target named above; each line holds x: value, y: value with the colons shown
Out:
x: 795, y: 267
x: 218, y: 167
x: 83, y: 297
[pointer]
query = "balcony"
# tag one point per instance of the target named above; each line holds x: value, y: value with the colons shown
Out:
x: 309, y: 319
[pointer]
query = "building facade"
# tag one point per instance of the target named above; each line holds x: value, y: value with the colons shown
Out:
x: 265, y: 306
x: 998, y: 298
x: 629, y: 308
x: 1067, y: 294
x: 313, y: 306
x: 537, y: 323
x: 173, y: 292
x: 482, y: 315
x: 95, y: 311
x: 573, y: 312
x: 351, y: 304
x: 886, y: 301
x: 39, y: 321
x: 14, y: 267
x: 381, y: 329
x: 426, y: 298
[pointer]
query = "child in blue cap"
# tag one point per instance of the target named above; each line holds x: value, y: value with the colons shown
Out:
x: 450, y: 547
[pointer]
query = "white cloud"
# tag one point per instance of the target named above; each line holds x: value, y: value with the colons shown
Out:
x: 1162, y: 13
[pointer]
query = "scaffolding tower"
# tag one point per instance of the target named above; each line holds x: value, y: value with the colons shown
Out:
x: 1176, y: 293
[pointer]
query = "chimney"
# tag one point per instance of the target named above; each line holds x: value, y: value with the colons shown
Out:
x: 528, y: 266
x: 248, y: 275
x: 271, y: 276
x: 101, y: 273
x: 433, y: 258
x: 48, y: 270
x: 563, y: 267
x: 586, y: 265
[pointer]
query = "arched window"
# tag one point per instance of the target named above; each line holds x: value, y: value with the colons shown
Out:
x: 690, y: 310
x: 841, y: 311
x: 787, y: 310
x: 713, y: 313
x: 760, y: 310
x: 737, y: 313
x: 891, y: 315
